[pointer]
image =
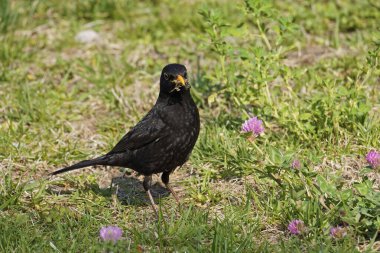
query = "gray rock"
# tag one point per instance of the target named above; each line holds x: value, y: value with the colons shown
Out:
x: 87, y: 36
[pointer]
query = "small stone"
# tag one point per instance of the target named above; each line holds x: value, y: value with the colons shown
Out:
x: 87, y: 36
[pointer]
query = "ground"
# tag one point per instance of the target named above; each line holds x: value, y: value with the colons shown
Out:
x: 308, y: 69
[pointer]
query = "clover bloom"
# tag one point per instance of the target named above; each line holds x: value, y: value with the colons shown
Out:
x: 110, y: 233
x: 373, y: 158
x: 296, y: 164
x: 253, y: 125
x: 338, y: 232
x: 296, y: 227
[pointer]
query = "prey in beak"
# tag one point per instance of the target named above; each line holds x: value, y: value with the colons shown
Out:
x: 180, y: 82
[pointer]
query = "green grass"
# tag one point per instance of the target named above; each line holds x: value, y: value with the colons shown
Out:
x: 308, y: 69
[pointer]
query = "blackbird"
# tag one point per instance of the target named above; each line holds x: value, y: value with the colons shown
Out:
x: 163, y: 139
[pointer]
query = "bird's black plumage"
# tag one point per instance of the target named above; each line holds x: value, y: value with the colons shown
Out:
x: 163, y: 139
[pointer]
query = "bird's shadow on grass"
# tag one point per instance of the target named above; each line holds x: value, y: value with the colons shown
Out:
x: 129, y: 191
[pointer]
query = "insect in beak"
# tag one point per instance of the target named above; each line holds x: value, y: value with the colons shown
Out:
x: 179, y: 82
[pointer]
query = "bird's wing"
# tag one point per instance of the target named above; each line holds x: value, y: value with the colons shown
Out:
x: 148, y: 130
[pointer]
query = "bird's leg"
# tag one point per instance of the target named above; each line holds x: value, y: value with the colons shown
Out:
x: 165, y: 180
x: 147, y: 183
x: 173, y: 193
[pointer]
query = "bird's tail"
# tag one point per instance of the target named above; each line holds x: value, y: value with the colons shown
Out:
x: 102, y: 160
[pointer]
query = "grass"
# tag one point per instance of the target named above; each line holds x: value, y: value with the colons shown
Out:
x: 309, y: 70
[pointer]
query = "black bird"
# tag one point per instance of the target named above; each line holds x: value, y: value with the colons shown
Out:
x: 163, y: 139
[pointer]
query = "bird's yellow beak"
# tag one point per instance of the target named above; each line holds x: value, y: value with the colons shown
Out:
x: 180, y: 80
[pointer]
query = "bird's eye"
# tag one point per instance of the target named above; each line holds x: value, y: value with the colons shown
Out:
x: 166, y: 76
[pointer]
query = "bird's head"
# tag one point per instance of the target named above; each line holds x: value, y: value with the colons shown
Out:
x: 174, y: 79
